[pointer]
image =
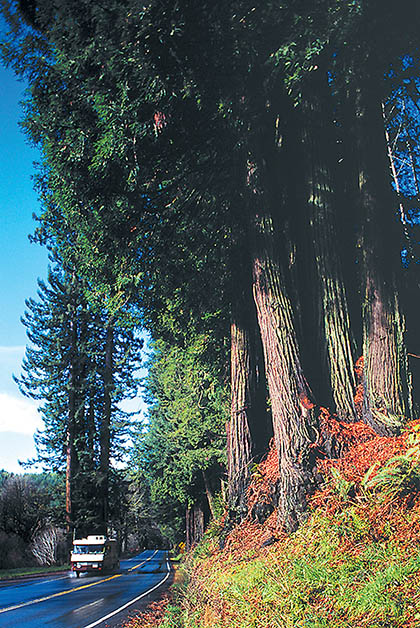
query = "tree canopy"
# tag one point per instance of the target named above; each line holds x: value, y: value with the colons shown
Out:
x: 245, y: 178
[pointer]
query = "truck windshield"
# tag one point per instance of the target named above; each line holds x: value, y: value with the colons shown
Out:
x: 88, y: 549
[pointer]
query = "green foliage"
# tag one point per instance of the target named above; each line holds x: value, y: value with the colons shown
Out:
x: 342, y: 486
x: 312, y: 580
x: 28, y: 502
x: 400, y: 476
x: 151, y: 121
x: 65, y: 367
x: 185, y: 438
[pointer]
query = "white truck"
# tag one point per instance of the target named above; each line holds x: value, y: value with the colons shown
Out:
x: 94, y: 554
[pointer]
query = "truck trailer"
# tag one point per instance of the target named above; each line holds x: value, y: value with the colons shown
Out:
x: 94, y: 554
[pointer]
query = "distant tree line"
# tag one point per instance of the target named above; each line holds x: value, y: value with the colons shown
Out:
x: 30, y: 504
x: 244, y: 178
x: 33, y: 518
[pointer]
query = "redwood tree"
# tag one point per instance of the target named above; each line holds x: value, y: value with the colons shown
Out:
x: 319, y: 157
x: 387, y: 401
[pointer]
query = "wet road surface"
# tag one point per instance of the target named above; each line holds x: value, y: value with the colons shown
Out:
x: 85, y: 602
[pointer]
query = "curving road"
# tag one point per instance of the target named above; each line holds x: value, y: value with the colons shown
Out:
x: 85, y: 602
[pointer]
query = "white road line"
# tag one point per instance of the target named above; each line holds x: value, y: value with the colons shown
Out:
x: 74, y: 589
x: 52, y: 580
x: 118, y: 610
x: 83, y: 608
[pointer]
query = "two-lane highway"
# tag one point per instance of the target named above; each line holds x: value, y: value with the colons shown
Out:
x: 85, y: 602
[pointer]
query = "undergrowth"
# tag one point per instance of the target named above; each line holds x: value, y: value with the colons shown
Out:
x: 353, y: 564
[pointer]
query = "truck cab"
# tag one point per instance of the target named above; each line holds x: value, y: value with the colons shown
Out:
x: 94, y: 554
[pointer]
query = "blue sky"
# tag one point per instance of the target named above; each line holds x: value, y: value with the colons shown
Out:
x: 21, y: 264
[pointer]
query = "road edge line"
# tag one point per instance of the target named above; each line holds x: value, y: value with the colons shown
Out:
x: 121, y: 608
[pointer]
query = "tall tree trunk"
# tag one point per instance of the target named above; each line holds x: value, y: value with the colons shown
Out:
x: 194, y: 520
x: 105, y: 428
x: 293, y: 412
x: 209, y: 494
x: 239, y: 441
x: 248, y: 430
x: 91, y: 431
x: 387, y: 400
x: 71, y: 425
x: 69, y: 468
x: 410, y: 293
x: 318, y: 153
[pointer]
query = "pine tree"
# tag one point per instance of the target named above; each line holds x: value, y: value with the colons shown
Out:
x: 81, y: 378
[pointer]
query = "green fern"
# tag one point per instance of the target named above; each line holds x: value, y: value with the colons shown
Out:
x: 342, y: 486
x: 401, y: 475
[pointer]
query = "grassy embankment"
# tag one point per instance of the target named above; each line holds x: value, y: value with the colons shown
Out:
x: 355, y: 563
x: 19, y: 572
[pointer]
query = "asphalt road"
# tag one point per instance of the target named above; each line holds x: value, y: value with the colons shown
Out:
x: 85, y: 602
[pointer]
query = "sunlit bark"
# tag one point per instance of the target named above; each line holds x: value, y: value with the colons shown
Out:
x: 318, y: 151
x: 293, y: 411
x: 387, y: 401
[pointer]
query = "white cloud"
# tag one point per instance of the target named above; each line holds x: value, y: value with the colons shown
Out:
x: 12, y: 350
x: 18, y: 415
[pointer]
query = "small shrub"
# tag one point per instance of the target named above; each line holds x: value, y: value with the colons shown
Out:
x: 45, y: 546
x: 13, y: 552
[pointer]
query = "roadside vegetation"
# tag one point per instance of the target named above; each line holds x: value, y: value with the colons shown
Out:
x: 353, y: 562
x: 33, y: 525
x: 240, y: 182
x: 31, y: 521
x: 11, y: 574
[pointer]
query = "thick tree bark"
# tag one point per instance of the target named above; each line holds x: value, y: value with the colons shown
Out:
x: 240, y: 437
x: 248, y: 430
x: 387, y: 400
x: 239, y: 443
x: 318, y: 152
x: 293, y: 412
x: 385, y: 404
x: 194, y: 524
x: 105, y: 428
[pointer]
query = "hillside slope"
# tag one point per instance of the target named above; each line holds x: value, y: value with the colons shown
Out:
x: 355, y: 562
